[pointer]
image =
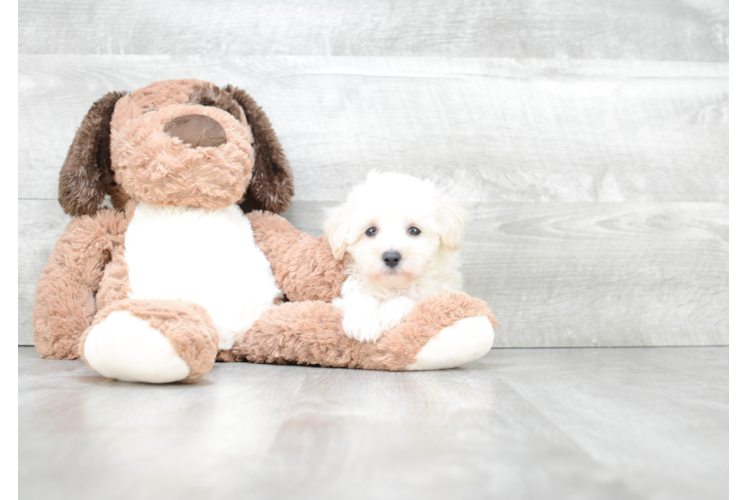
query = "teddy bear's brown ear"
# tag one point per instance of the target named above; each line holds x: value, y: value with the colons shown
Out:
x: 86, y: 175
x: 271, y: 187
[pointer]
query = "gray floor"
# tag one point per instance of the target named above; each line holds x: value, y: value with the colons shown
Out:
x: 519, y: 423
x: 738, y: 424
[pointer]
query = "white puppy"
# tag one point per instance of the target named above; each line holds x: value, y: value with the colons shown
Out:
x: 399, y: 238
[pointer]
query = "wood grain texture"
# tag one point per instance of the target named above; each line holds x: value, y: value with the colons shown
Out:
x: 648, y: 423
x: 680, y: 30
x: 736, y: 222
x: 593, y: 274
x: 521, y: 131
x: 589, y: 138
x: 555, y: 274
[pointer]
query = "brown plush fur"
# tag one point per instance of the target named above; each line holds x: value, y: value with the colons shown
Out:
x: 399, y: 346
x: 115, y: 283
x: 86, y: 175
x: 158, y: 169
x: 311, y: 333
x: 304, y: 267
x: 271, y: 187
x: 186, y: 325
x: 229, y: 356
x: 272, y: 181
x: 208, y: 94
x: 118, y: 196
x: 154, y: 96
x: 64, y: 304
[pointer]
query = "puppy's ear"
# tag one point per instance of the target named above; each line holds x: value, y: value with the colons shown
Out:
x: 451, y: 219
x: 271, y: 187
x: 336, y: 227
x: 86, y: 175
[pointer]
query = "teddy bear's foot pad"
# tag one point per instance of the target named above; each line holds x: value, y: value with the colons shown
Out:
x: 129, y: 349
x: 465, y: 341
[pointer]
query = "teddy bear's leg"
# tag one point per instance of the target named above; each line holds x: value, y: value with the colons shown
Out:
x: 444, y: 331
x: 465, y: 341
x: 156, y: 341
x: 305, y: 333
x: 447, y: 330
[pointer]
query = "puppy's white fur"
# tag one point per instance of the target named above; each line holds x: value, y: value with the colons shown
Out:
x: 375, y: 297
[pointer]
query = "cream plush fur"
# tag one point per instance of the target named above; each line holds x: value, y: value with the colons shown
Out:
x: 392, y: 206
x: 205, y: 256
x: 461, y: 343
x: 129, y: 349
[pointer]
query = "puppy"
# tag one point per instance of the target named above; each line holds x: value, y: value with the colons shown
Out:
x: 399, y: 238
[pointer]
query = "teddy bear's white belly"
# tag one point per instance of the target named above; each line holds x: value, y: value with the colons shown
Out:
x: 202, y: 255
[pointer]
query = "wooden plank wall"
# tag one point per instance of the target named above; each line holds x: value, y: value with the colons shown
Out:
x: 588, y: 138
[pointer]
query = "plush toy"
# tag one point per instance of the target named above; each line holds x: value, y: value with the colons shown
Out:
x: 177, y: 276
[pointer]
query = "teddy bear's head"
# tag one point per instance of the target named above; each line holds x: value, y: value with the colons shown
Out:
x: 176, y: 143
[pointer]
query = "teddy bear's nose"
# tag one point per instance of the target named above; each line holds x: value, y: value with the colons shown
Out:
x: 196, y: 131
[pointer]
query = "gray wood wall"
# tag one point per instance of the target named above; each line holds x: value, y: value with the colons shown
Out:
x: 589, y: 138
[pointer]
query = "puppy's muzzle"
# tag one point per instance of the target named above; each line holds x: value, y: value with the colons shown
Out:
x: 196, y: 131
x: 391, y: 259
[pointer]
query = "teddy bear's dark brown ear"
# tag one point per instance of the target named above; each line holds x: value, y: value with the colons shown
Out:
x: 86, y: 175
x: 271, y: 187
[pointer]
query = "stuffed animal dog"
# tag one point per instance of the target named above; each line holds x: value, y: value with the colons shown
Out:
x: 177, y: 276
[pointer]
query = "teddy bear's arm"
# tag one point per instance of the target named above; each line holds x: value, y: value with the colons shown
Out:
x: 304, y: 267
x: 65, y: 301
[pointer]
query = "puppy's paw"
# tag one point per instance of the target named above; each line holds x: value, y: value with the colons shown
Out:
x: 393, y: 312
x: 362, y: 326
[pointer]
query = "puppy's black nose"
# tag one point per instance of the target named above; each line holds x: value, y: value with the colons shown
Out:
x: 391, y: 258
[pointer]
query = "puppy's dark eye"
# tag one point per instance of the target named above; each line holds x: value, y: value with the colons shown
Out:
x: 414, y: 231
x: 371, y: 231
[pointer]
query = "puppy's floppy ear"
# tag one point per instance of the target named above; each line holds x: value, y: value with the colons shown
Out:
x: 86, y: 175
x: 336, y: 227
x: 271, y: 187
x: 451, y: 218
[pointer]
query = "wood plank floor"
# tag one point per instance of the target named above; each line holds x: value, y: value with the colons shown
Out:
x: 664, y: 30
x: 618, y: 423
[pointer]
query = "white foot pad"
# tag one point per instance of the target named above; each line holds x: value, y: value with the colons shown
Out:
x: 128, y: 349
x: 463, y: 342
